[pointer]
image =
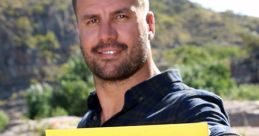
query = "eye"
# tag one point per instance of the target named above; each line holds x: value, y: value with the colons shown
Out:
x: 121, y: 17
x: 92, y: 21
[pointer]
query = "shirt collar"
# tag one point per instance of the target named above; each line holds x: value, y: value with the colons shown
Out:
x: 93, y: 102
x: 153, y: 88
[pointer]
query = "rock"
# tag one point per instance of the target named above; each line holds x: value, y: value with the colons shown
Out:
x: 248, y: 131
x: 244, y: 113
x: 38, y: 127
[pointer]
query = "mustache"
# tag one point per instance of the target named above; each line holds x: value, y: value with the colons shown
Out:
x: 113, y: 44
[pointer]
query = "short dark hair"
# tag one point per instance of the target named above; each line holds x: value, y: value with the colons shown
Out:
x: 146, y: 4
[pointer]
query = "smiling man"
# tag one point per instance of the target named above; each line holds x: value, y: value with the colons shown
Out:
x: 115, y: 40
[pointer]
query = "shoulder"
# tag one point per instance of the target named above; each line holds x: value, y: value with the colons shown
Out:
x: 196, y: 105
x: 182, y: 92
x: 85, y: 119
x: 188, y: 98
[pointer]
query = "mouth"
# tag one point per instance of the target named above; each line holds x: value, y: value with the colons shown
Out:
x: 109, y: 51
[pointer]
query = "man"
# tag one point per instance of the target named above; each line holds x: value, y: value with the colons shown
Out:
x: 115, y: 40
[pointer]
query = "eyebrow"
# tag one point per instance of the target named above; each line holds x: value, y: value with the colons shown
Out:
x: 88, y: 16
x: 128, y: 10
x: 123, y: 10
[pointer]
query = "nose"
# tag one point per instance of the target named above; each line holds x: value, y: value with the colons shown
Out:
x: 107, y: 32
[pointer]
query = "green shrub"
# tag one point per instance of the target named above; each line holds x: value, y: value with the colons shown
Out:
x: 39, y: 100
x: 59, y: 111
x: 244, y: 92
x: 4, y: 120
x: 24, y: 24
x: 75, y: 69
x: 206, y: 67
x: 66, y: 97
x: 72, y: 96
x: 213, y: 77
x: 75, y: 85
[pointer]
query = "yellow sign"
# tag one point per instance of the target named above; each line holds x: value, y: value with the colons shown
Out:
x: 192, y: 129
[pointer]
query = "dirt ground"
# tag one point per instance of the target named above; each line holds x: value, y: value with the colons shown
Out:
x: 244, y: 116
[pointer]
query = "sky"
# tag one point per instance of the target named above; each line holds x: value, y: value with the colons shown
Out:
x: 243, y: 7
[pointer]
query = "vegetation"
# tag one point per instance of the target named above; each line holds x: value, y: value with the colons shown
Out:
x: 4, y: 120
x: 68, y: 97
x: 244, y: 92
x: 38, y: 100
x: 36, y: 38
x: 214, y: 51
x: 205, y: 67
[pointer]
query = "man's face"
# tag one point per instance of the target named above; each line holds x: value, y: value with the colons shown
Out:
x: 113, y: 36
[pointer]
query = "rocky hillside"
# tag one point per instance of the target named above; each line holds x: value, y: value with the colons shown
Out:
x: 35, y: 37
x: 38, y: 36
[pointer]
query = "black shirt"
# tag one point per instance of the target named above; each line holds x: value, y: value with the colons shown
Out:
x: 163, y: 99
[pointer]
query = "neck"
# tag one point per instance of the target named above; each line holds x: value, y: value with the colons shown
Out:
x: 111, y: 93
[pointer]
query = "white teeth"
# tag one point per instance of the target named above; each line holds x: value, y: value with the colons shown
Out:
x: 109, y: 52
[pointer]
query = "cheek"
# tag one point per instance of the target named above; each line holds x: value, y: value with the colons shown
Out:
x: 87, y: 40
x: 128, y: 33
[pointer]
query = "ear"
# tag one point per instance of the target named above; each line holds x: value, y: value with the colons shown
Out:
x: 151, y: 25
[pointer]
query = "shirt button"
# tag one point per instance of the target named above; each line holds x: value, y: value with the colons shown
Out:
x: 140, y: 98
x: 94, y: 118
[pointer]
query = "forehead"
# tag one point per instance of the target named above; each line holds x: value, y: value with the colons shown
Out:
x: 95, y: 6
